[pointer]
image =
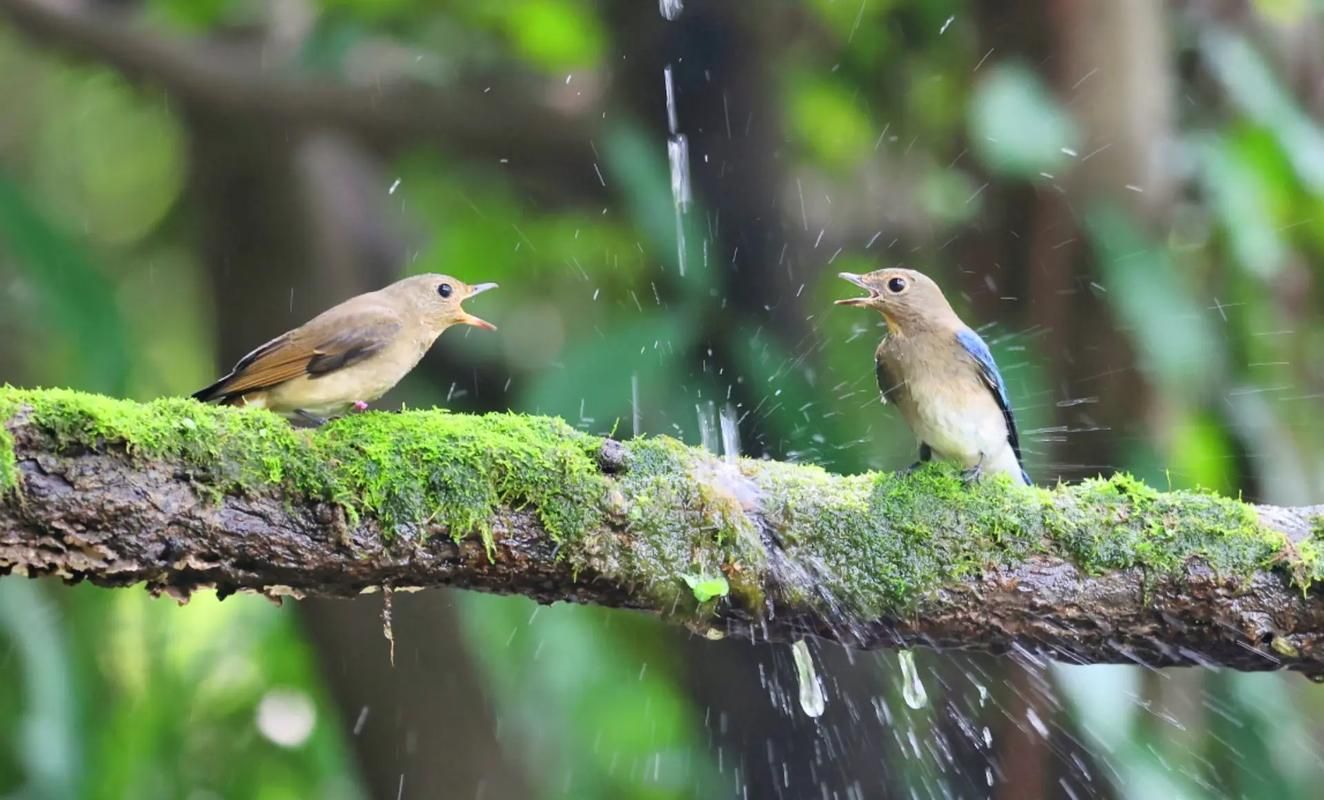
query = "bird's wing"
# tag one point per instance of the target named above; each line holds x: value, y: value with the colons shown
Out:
x: 887, y: 382
x: 316, y: 352
x: 988, y: 373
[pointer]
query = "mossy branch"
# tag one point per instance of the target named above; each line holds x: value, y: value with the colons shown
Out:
x: 182, y: 496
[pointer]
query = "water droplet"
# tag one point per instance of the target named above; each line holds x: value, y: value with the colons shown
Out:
x: 911, y: 687
x: 812, y: 701
x: 670, y: 8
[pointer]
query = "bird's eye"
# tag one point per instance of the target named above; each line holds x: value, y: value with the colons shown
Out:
x: 445, y: 290
x: 896, y: 285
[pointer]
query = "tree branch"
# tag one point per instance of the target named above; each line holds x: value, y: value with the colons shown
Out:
x: 506, y: 122
x: 183, y: 496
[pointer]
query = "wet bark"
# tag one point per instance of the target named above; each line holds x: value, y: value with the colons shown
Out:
x: 90, y: 510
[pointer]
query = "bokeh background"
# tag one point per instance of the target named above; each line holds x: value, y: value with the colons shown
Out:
x: 1126, y: 196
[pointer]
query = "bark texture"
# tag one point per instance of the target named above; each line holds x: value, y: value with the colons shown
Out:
x: 1104, y: 572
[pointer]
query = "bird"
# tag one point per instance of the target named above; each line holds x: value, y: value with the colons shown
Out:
x: 350, y: 354
x: 941, y: 376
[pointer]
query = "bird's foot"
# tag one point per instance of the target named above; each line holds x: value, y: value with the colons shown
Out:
x: 359, y: 405
x: 974, y: 473
x: 913, y: 468
x: 311, y: 419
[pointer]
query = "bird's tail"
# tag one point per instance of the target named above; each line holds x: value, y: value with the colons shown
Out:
x: 216, y: 392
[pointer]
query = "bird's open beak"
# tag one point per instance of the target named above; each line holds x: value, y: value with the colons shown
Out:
x: 858, y: 281
x: 469, y: 319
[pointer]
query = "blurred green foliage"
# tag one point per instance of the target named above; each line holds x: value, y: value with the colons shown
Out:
x: 914, y: 125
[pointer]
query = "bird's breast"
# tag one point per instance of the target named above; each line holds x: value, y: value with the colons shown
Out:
x: 946, y: 407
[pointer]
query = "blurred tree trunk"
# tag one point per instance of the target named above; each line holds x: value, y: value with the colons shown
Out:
x: 288, y: 230
x: 727, y: 107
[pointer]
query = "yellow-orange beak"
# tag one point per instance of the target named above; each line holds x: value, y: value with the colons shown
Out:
x: 469, y: 319
x: 858, y: 281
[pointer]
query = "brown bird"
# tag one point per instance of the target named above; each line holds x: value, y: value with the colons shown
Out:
x: 351, y: 354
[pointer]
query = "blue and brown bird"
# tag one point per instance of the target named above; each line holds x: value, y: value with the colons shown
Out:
x: 350, y: 354
x: 941, y: 375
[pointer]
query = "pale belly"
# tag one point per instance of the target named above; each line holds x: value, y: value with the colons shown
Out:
x: 961, y: 432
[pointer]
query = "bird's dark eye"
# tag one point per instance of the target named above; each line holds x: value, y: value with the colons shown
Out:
x: 445, y: 290
x: 896, y: 285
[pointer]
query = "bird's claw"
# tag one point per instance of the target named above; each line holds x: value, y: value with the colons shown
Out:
x: 972, y: 474
x: 310, y: 418
x: 913, y: 468
x: 359, y: 405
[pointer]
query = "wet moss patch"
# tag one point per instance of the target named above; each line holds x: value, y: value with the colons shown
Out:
x: 1120, y: 523
x: 860, y: 546
x: 411, y: 471
x: 875, y: 543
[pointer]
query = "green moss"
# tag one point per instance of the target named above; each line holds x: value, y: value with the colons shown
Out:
x: 1120, y: 523
x: 1310, y: 555
x: 8, y: 462
x: 856, y: 546
x: 873, y: 544
x: 412, y: 471
x: 711, y: 535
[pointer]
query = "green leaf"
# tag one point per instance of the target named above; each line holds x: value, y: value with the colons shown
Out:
x: 556, y: 34
x: 109, y: 157
x: 78, y: 299
x: 1175, y: 341
x: 1238, y: 178
x: 1250, y: 81
x: 706, y: 588
x: 829, y: 120
x: 33, y: 636
x: 1016, y: 125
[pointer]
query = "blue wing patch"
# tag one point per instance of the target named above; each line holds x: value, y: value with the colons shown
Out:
x: 988, y: 370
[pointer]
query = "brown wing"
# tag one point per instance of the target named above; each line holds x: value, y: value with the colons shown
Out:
x: 322, y: 346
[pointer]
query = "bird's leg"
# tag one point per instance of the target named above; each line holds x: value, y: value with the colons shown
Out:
x: 359, y: 405
x: 976, y: 472
x: 925, y: 456
x: 311, y: 419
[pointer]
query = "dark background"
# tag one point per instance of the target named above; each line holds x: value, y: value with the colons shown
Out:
x: 1125, y: 196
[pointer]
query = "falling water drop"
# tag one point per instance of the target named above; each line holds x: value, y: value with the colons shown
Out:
x: 635, y: 413
x: 730, y: 433
x: 673, y: 122
x: 678, y: 156
x: 911, y: 687
x: 812, y: 701
x: 678, y: 153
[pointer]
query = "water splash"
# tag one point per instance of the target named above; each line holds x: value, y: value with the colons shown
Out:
x: 912, y: 689
x: 707, y: 414
x: 812, y: 700
x: 670, y: 9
